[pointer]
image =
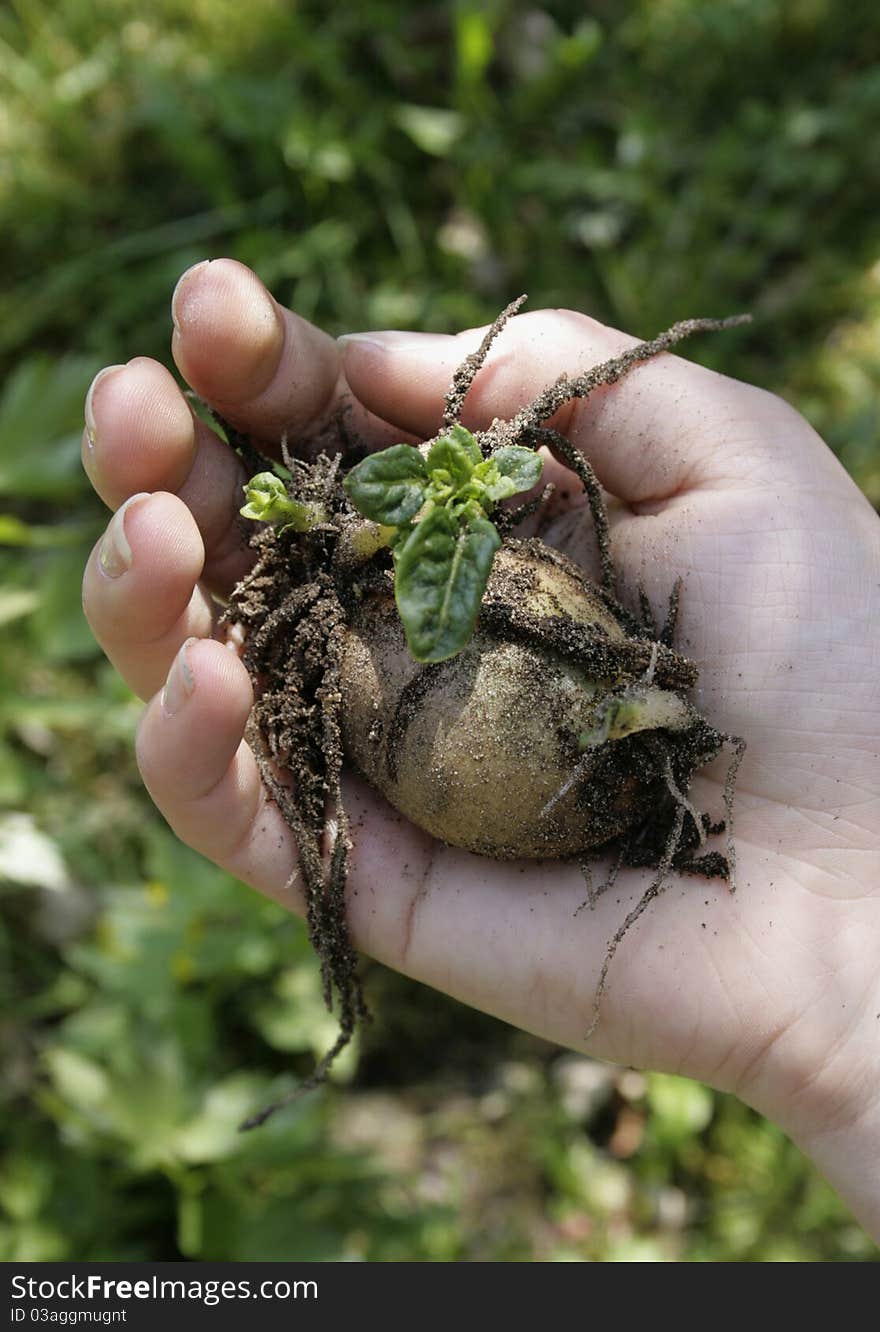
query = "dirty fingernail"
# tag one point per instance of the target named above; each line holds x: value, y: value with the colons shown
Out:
x: 115, y: 554
x: 177, y: 295
x: 89, y: 410
x: 181, y: 681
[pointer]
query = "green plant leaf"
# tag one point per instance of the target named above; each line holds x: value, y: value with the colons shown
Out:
x: 434, y: 129
x: 41, y: 428
x: 59, y: 628
x: 389, y: 487
x: 519, y: 470
x: 453, y: 457
x: 441, y: 571
x: 464, y: 437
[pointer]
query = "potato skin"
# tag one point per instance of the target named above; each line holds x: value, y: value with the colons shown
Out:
x: 472, y: 749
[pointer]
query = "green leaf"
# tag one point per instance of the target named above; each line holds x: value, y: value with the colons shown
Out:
x: 680, y: 1108
x: 41, y: 425
x: 25, y: 1186
x: 452, y: 457
x: 519, y: 469
x: 468, y: 443
x: 388, y: 487
x: 16, y: 602
x: 82, y: 1082
x: 441, y: 571
x: 434, y: 129
x: 15, y: 531
x: 58, y: 626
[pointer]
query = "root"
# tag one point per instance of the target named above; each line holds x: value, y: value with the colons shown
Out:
x: 508, y: 519
x: 654, y: 890
x: 528, y: 424
x: 600, y: 658
x: 647, y: 614
x: 609, y: 372
x: 651, y: 671
x: 288, y: 612
x: 587, y: 872
x: 325, y: 921
x: 676, y: 855
x: 578, y: 771
x: 739, y: 748
x: 470, y: 367
x: 294, y: 625
x: 315, y: 1079
x: 578, y: 464
x: 593, y: 894
x: 682, y: 801
x: 667, y: 633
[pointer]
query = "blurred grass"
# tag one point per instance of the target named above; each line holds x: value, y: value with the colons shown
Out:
x: 378, y: 165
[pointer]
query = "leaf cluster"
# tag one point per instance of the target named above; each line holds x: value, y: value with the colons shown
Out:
x: 443, y: 542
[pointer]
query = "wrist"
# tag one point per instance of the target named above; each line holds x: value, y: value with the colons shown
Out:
x: 825, y: 1094
x: 848, y: 1156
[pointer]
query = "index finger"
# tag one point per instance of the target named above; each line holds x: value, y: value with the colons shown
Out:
x: 267, y: 371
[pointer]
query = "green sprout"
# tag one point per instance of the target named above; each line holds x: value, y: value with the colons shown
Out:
x: 436, y: 509
x: 269, y: 502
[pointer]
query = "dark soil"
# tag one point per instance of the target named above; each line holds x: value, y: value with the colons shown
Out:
x: 295, y: 606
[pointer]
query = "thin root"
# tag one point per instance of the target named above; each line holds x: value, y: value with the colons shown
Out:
x: 295, y: 647
x: 593, y: 893
x: 471, y: 365
x: 739, y: 747
x: 577, y: 772
x: 682, y: 801
x: 648, y: 677
x: 647, y: 613
x: 508, y: 519
x: 609, y: 372
x: 315, y: 1078
x: 667, y: 634
x: 654, y: 890
x: 575, y: 460
x: 590, y: 899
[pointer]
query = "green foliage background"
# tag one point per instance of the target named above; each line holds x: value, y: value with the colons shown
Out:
x: 381, y: 164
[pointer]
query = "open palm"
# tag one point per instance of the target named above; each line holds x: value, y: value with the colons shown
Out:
x: 772, y: 991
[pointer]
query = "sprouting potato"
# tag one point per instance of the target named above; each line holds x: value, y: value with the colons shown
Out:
x: 476, y: 749
x: 495, y: 695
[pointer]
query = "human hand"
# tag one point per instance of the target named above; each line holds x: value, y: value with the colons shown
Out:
x: 771, y: 992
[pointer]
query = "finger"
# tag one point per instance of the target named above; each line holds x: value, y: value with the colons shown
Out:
x: 262, y: 367
x: 266, y: 370
x: 140, y: 588
x: 141, y: 436
x: 666, y: 427
x: 203, y: 776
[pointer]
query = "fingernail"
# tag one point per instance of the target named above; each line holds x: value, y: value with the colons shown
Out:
x: 115, y: 556
x: 392, y: 339
x: 89, y: 409
x: 177, y: 295
x: 180, y: 683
